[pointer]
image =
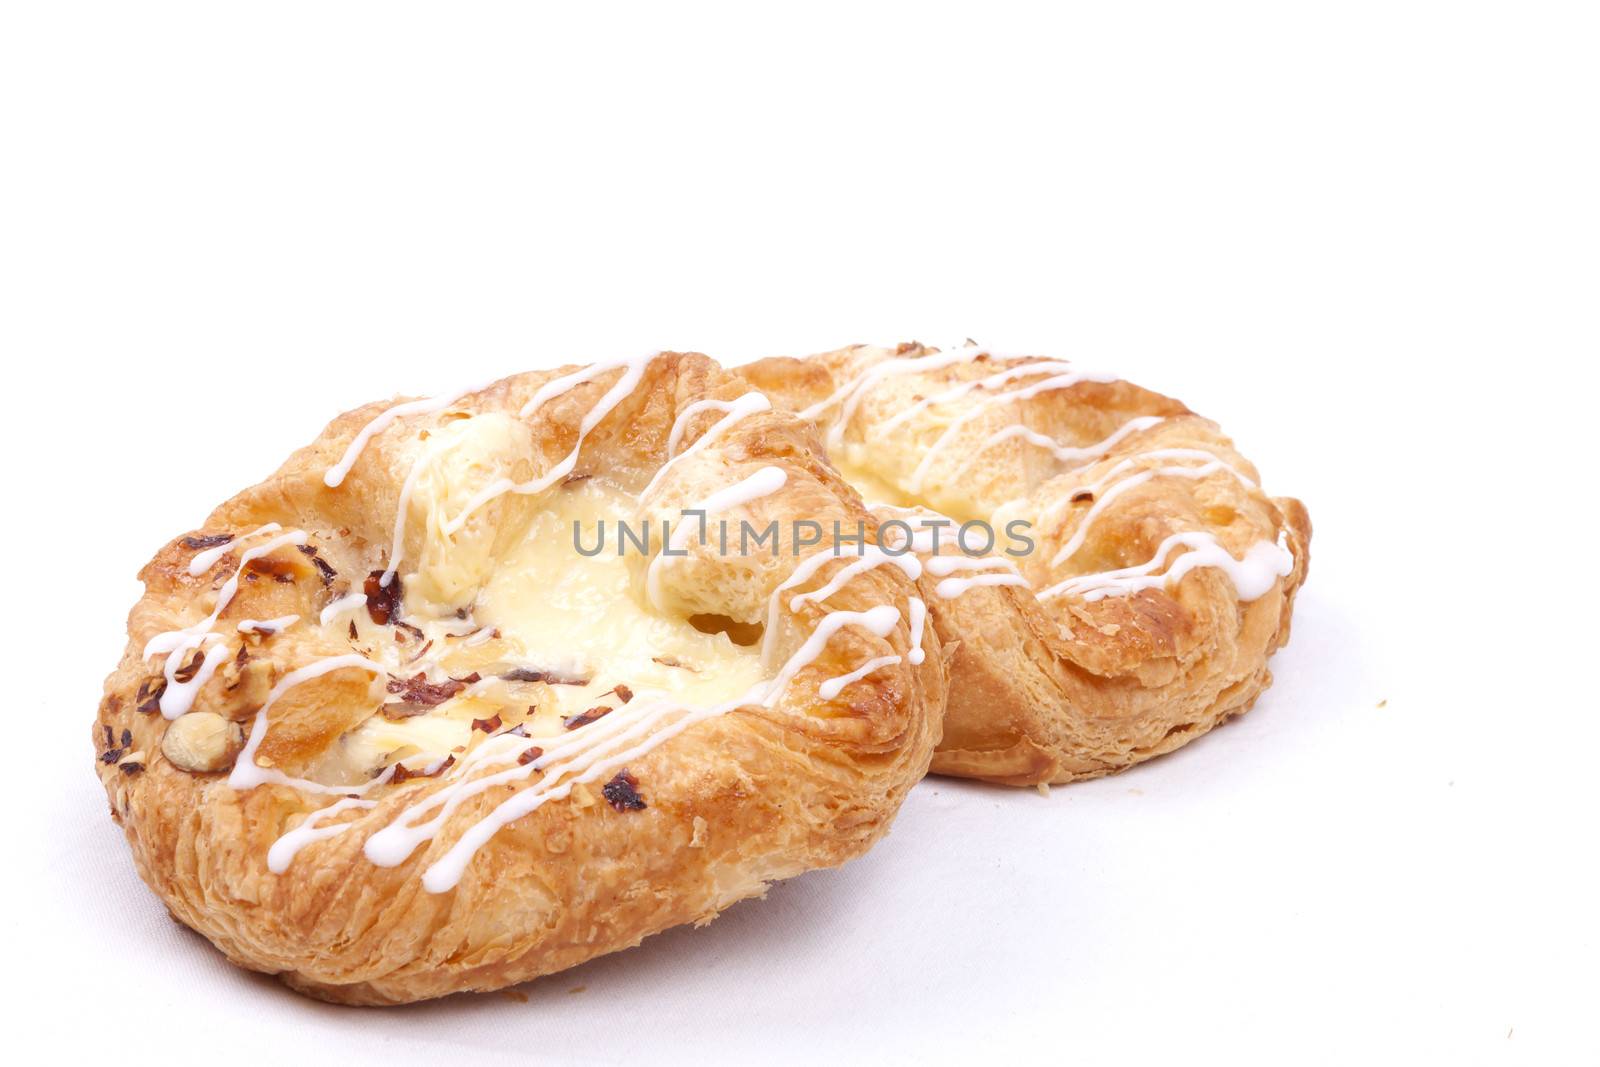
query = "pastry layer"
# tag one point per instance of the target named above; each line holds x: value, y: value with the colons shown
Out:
x: 383, y: 730
x: 1156, y: 578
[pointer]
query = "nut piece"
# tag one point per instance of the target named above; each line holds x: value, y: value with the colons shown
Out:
x: 202, y: 741
x: 246, y: 682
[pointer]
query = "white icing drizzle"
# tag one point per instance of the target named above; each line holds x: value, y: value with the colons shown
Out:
x: 480, y: 636
x: 1252, y: 577
x: 939, y: 566
x: 558, y: 782
x: 390, y: 846
x: 917, y: 612
x: 951, y: 588
x: 335, y: 475
x: 397, y: 542
x: 764, y: 482
x: 267, y: 626
x: 746, y: 405
x: 1104, y: 495
x: 585, y: 755
x: 582, y: 752
x: 451, y: 627
x: 203, y: 561
x: 285, y: 848
x: 834, y: 686
x: 348, y: 602
x: 1063, y: 376
x: 178, y: 696
x: 567, y: 382
x: 1027, y: 392
x: 851, y: 393
x: 955, y: 392
x: 247, y: 774
x: 877, y: 621
x: 869, y: 556
x: 1064, y: 453
x: 633, y: 372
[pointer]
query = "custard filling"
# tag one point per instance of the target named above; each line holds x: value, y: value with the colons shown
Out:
x: 553, y: 639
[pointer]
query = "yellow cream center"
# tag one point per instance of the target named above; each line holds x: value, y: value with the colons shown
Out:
x: 559, y: 606
x: 543, y: 608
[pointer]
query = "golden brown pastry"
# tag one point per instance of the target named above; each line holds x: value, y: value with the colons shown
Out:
x: 389, y: 726
x: 1112, y: 579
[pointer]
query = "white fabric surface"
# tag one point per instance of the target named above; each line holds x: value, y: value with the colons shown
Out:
x: 1360, y: 236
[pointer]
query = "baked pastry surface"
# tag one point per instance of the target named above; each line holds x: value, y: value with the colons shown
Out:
x: 1160, y: 577
x: 384, y: 728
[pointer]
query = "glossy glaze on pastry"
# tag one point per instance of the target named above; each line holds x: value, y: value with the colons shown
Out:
x: 381, y: 729
x: 1161, y: 576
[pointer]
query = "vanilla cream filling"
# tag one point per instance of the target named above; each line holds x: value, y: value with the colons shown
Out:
x: 875, y: 488
x: 547, y: 607
x: 551, y: 602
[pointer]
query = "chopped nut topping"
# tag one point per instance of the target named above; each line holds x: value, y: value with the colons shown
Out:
x: 202, y: 741
x: 488, y: 726
x: 403, y: 774
x: 674, y: 661
x: 572, y: 722
x: 395, y: 710
x: 529, y: 755
x: 624, y: 694
x: 623, y: 792
x: 279, y: 570
x: 383, y: 602
x: 326, y: 572
x: 205, y: 541
x: 149, y: 695
x: 191, y: 667
x: 549, y: 677
x: 418, y: 690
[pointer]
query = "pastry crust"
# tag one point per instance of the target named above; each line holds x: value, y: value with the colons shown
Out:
x: 1113, y: 645
x: 673, y: 834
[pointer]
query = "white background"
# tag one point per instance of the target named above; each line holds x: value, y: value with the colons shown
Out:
x: 1363, y: 236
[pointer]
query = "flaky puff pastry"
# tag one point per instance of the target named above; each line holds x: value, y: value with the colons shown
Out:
x: 300, y: 839
x: 1157, y: 579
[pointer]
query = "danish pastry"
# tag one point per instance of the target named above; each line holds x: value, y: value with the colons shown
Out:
x: 403, y: 720
x: 1112, y: 577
